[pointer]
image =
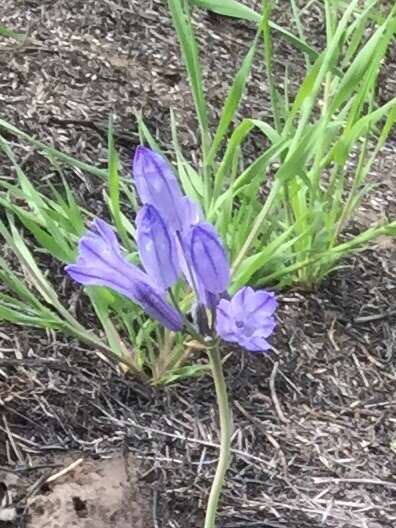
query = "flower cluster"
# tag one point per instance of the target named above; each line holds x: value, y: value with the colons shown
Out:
x: 174, y: 240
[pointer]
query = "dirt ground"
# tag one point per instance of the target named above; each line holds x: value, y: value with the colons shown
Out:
x: 315, y: 422
x: 88, y: 493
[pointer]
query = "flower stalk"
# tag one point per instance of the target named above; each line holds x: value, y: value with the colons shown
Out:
x: 225, y: 436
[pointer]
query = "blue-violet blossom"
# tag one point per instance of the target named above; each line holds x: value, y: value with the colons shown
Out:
x: 173, y: 239
x: 247, y: 319
x: 157, y: 185
x: 157, y: 247
x: 101, y: 263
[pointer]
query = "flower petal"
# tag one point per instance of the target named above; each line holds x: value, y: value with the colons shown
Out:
x: 106, y: 232
x: 257, y: 343
x: 208, y: 258
x: 191, y: 213
x: 157, y: 248
x: 157, y: 185
x: 154, y: 304
x: 100, y: 263
x: 246, y: 320
x: 264, y: 303
x: 225, y: 326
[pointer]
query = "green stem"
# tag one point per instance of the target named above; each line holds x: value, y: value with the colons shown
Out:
x: 266, y: 31
x: 255, y: 230
x: 225, y: 436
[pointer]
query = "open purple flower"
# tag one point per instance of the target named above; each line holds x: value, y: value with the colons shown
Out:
x: 247, y: 319
x: 101, y: 263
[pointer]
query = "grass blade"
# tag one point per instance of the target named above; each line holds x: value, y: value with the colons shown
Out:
x: 232, y: 101
x: 114, y: 190
x: 234, y: 9
x: 70, y: 160
x: 190, y: 54
x: 10, y: 33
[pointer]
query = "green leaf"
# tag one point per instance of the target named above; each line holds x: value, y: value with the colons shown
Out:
x: 17, y: 286
x: 189, y: 50
x: 365, y: 59
x: 53, y: 242
x: 70, y: 160
x: 345, y: 143
x: 146, y: 136
x: 114, y: 190
x: 16, y: 316
x: 99, y: 301
x: 9, y: 33
x: 230, y: 8
x: 252, y: 264
x: 232, y: 101
x: 235, y: 142
x: 234, y: 9
x: 191, y: 181
x: 190, y: 371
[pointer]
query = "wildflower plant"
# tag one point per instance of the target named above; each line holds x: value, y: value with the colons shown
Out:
x: 187, y: 261
x: 182, y: 282
x: 282, y: 216
x: 174, y: 241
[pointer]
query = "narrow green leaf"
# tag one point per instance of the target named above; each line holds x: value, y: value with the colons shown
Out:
x: 235, y: 142
x: 114, y: 189
x: 190, y: 179
x: 70, y: 160
x: 10, y: 33
x: 252, y: 264
x: 256, y: 172
x: 53, y: 242
x: 16, y: 316
x: 363, y: 61
x: 101, y: 307
x: 146, y: 136
x: 234, y: 9
x: 230, y: 8
x: 17, y: 286
x: 189, y: 50
x: 232, y: 101
x: 344, y: 145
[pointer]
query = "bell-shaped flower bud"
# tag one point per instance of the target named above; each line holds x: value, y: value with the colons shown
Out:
x: 207, y: 258
x: 157, y: 247
x: 153, y: 303
x: 157, y: 185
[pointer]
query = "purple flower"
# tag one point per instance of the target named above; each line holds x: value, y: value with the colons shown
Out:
x: 157, y: 247
x: 207, y: 258
x: 157, y: 185
x: 190, y: 212
x: 101, y: 263
x: 247, y: 319
x: 153, y: 303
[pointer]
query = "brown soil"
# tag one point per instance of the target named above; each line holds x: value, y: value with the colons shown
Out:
x: 314, y: 423
x: 97, y: 494
x: 78, y: 492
